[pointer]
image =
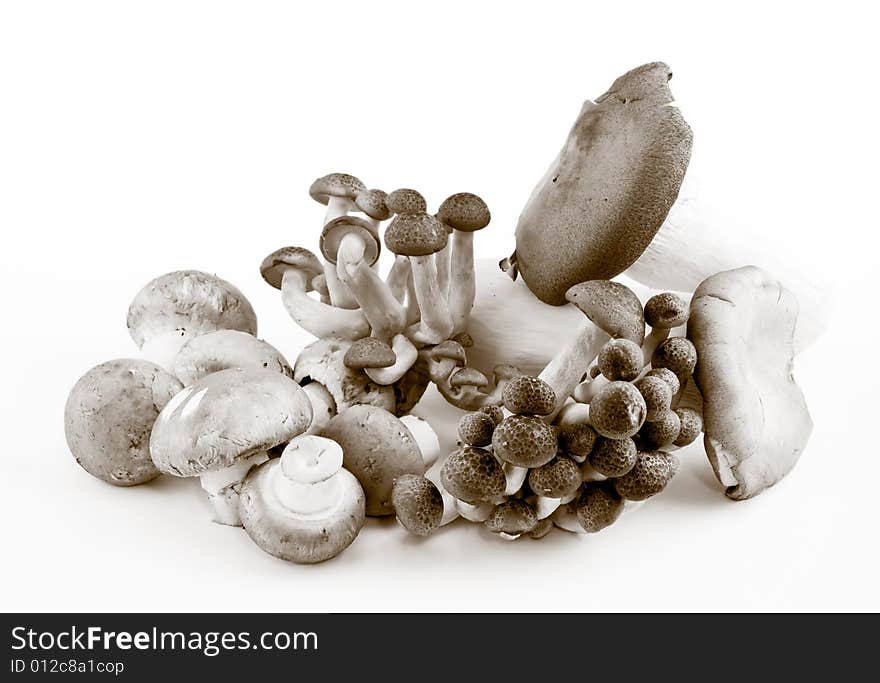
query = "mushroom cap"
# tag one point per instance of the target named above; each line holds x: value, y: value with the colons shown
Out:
x: 465, y: 212
x: 621, y: 359
x: 109, y: 415
x: 336, y: 185
x: 542, y: 528
x: 609, y: 190
x: 468, y: 377
x: 577, y: 440
x: 415, y: 234
x: 404, y: 201
x: 618, y: 410
x: 558, y: 478
x: 661, y: 433
x: 755, y: 416
x: 378, y: 448
x: 369, y: 352
x: 226, y: 349
x: 335, y: 230
x: 677, y: 354
x: 189, y: 301
x: 667, y: 376
x: 292, y: 537
x: 614, y: 457
x: 449, y: 349
x: 417, y: 503
x: 691, y: 423
x: 372, y: 203
x: 652, y: 471
x: 666, y: 310
x: 225, y: 417
x: 473, y: 475
x: 526, y: 395
x: 612, y: 306
x: 323, y: 361
x: 657, y: 393
x: 273, y: 266
x: 598, y: 506
x: 512, y: 517
x: 494, y: 412
x: 475, y: 429
x: 524, y: 441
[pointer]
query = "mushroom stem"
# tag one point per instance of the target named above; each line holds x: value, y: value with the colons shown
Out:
x: 654, y: 338
x: 462, y: 288
x: 413, y: 313
x: 587, y: 390
x: 223, y: 485
x: 474, y: 513
x: 318, y: 318
x: 381, y: 308
x: 323, y: 406
x: 161, y: 349
x: 426, y: 438
x: 406, y: 355
x: 397, y: 278
x: 566, y: 368
x: 306, y: 483
x: 436, y: 319
x: 441, y: 258
x: 339, y: 294
x: 515, y: 477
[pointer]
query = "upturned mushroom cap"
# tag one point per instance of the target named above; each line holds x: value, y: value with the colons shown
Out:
x: 614, y: 457
x: 378, y: 448
x: 372, y: 203
x: 612, y: 306
x: 226, y: 349
x: 652, y: 471
x: 465, y: 212
x: 273, y: 266
x: 336, y: 185
x: 524, y: 441
x: 526, y: 395
x: 404, y: 201
x: 474, y: 476
x: 756, y: 419
x: 191, y: 302
x: 607, y: 193
x: 417, y: 503
x: 323, y: 361
x: 225, y: 417
x: 109, y: 416
x: 415, y: 234
x: 666, y: 310
x: 618, y: 410
x: 335, y: 230
x: 369, y: 352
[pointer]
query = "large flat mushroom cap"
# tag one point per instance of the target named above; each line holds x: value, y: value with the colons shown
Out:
x: 612, y: 306
x: 224, y: 349
x: 189, y: 301
x: 225, y: 417
x: 756, y: 420
x: 607, y: 193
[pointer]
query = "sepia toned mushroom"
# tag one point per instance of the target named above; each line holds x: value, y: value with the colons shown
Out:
x: 226, y: 349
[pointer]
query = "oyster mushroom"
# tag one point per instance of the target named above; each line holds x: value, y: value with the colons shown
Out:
x: 226, y: 349
x: 173, y: 308
x: 756, y: 420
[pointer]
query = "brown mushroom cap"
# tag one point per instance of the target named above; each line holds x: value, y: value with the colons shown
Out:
x: 468, y: 377
x: 415, y: 234
x: 621, y: 359
x: 475, y: 429
x: 598, y: 506
x: 417, y: 503
x: 657, y: 393
x: 465, y: 212
x: 661, y: 433
x: 512, y: 517
x: 618, y: 410
x: 109, y: 416
x: 494, y: 412
x: 336, y: 185
x: 273, y: 266
x: 524, y: 441
x: 369, y: 352
x: 614, y: 457
x: 558, y: 478
x: 677, y: 354
x: 609, y: 190
x: 612, y: 306
x: 406, y: 201
x: 667, y: 376
x: 691, y: 425
x: 226, y: 349
x: 652, y: 471
x: 666, y: 310
x: 525, y: 395
x: 473, y: 475
x: 372, y: 203
x: 577, y: 440
x: 335, y: 230
x: 190, y: 301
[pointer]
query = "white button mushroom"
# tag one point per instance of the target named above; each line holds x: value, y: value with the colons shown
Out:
x: 303, y: 507
x: 109, y: 416
x: 226, y: 349
x: 222, y: 425
x: 175, y: 307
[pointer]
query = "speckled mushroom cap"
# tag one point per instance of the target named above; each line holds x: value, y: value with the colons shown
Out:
x: 666, y: 310
x: 465, y: 212
x: 225, y: 417
x: 109, y: 416
x: 273, y: 266
x: 405, y: 200
x: 415, y: 234
x: 609, y: 190
x: 336, y: 185
x: 377, y: 449
x: 226, y: 349
x: 612, y: 306
x: 190, y: 301
x: 323, y: 361
x: 372, y: 203
x: 338, y: 228
x: 369, y: 352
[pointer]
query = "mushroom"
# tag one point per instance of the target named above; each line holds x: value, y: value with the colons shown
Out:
x: 607, y: 193
x: 173, y: 308
x: 372, y: 203
x: 662, y: 433
x: 465, y: 213
x: 756, y: 419
x: 405, y: 201
x: 368, y: 352
x: 405, y: 356
x: 553, y: 483
x: 292, y: 270
x: 378, y: 448
x: 418, y: 236
x: 525, y: 395
x: 691, y: 426
x: 109, y: 415
x: 303, y: 507
x: 652, y: 471
x: 222, y: 425
x: 225, y: 349
x: 331, y: 386
x: 513, y: 518
x: 421, y: 505
x: 475, y: 429
x: 597, y: 507
x: 474, y: 476
x: 663, y: 312
x: 613, y: 311
x: 524, y: 441
x: 618, y: 411
x: 657, y: 393
x: 618, y: 360
x: 613, y: 457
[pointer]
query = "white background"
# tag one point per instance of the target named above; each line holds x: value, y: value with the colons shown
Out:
x: 138, y: 138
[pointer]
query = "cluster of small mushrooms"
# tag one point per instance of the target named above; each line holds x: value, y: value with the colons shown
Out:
x: 584, y: 408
